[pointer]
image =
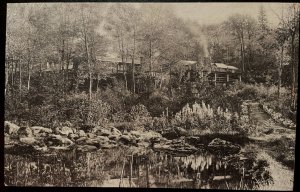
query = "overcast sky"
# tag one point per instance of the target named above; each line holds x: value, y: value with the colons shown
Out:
x: 212, y: 13
x: 208, y: 13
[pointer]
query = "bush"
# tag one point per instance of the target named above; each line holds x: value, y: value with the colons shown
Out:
x: 248, y: 93
x: 141, y: 116
x: 203, y: 117
x: 160, y: 123
x: 78, y: 109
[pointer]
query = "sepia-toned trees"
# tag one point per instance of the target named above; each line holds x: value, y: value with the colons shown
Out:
x: 46, y: 35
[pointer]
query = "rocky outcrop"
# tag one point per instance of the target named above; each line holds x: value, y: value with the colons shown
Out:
x: 40, y: 131
x: 126, y: 139
x: 57, y: 140
x: 86, y: 148
x: 24, y: 132
x: 170, y: 134
x: 65, y: 131
x: 180, y: 131
x: 74, y: 136
x: 28, y: 140
x: 43, y: 139
x: 10, y: 128
x: 91, y: 135
x: 219, y: 146
x: 102, y: 132
x: 175, y: 146
x: 115, y: 131
x: 81, y: 133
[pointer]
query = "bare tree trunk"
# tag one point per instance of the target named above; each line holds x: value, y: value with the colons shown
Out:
x: 150, y: 52
x: 170, y: 84
x: 125, y: 77
x: 29, y: 75
x: 12, y: 72
x: 147, y: 175
x: 40, y: 72
x: 161, y: 78
x: 124, y: 70
x: 121, y: 179
x: 20, y: 81
x: 89, y: 64
x: 6, y: 76
x: 138, y: 174
x: 133, y: 64
x: 242, y: 54
x: 280, y: 72
x: 130, y: 175
x: 293, y: 72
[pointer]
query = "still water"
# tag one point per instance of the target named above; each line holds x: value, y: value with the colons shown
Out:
x: 133, y: 167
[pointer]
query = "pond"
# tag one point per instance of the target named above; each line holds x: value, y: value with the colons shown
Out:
x: 138, y: 167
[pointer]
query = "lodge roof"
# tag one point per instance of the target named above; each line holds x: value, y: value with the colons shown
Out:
x: 223, y: 66
x: 186, y: 62
x: 118, y: 60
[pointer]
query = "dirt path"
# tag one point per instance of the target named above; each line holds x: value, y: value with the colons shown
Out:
x: 263, y: 122
x: 116, y: 183
x: 282, y: 176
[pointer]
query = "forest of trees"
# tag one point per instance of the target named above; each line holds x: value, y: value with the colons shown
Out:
x: 60, y: 33
x: 71, y: 120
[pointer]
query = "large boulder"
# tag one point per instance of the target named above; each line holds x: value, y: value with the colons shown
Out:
x: 73, y: 136
x: 87, y: 128
x: 180, y: 131
x: 136, y: 134
x: 176, y: 146
x: 170, y: 134
x: 114, y: 137
x: 108, y: 146
x: 43, y: 149
x: 81, y: 140
x: 115, y: 131
x: 28, y: 140
x: 9, y: 141
x: 66, y: 141
x: 102, y: 138
x: 10, y: 128
x: 103, y: 132
x: 81, y: 133
x: 24, y: 132
x: 37, y: 130
x: 91, y: 135
x: 125, y: 139
x: 86, y: 148
x: 150, y: 135
x: 97, y: 141
x: 65, y: 130
x: 143, y: 144
x: 60, y: 148
x: 219, y: 146
x: 57, y: 140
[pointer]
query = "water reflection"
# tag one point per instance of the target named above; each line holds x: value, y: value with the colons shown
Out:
x: 203, y: 170
x: 145, y: 168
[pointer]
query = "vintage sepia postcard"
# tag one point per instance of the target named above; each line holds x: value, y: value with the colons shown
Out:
x: 151, y: 95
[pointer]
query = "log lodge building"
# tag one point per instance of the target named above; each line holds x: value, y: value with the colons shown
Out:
x: 194, y: 72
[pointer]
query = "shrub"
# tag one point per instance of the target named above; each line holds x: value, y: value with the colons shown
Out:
x: 203, y: 117
x: 140, y: 115
x: 78, y: 109
x: 159, y: 123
